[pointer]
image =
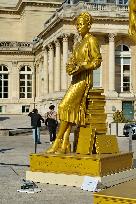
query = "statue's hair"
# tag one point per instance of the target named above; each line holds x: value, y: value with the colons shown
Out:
x: 86, y: 16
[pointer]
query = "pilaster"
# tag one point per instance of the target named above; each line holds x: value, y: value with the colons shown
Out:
x: 65, y: 58
x: 51, y: 67
x: 45, y: 71
x: 57, y: 67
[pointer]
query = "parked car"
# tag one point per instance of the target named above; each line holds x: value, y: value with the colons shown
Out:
x: 127, y: 128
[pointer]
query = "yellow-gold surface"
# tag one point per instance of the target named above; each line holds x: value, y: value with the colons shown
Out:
x: 84, y: 58
x: 92, y: 165
x: 106, y: 144
x: 132, y: 19
x: 124, y: 193
x: 87, y: 135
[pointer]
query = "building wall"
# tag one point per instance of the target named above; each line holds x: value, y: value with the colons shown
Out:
x: 59, y: 35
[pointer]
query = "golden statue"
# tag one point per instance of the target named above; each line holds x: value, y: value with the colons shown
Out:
x: 132, y: 19
x: 85, y: 58
x: 96, y: 153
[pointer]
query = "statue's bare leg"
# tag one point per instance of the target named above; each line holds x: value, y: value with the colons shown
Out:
x: 60, y: 134
x: 65, y: 147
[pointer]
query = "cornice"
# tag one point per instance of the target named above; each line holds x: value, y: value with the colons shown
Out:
x: 16, y: 53
x: 110, y: 19
x: 18, y: 9
x: 65, y: 20
x: 10, y: 47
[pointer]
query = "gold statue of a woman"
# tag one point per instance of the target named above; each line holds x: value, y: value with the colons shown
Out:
x: 132, y: 19
x: 85, y: 58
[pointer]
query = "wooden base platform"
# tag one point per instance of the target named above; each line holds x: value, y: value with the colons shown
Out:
x: 124, y: 193
x: 91, y: 165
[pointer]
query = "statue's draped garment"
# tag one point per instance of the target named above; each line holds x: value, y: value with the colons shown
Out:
x: 72, y: 108
x: 132, y: 18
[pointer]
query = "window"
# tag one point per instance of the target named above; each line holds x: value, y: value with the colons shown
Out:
x: 99, y: 1
x: 122, y: 69
x: 1, y: 109
x: 128, y: 109
x: 3, y: 81
x: 121, y: 1
x: 25, y: 82
x: 97, y: 77
x: 25, y: 109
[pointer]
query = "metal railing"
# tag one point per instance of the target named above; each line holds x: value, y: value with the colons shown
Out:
x: 13, y: 45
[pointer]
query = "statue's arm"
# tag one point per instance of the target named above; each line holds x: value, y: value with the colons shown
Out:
x: 93, y: 59
x: 94, y: 55
x: 71, y: 65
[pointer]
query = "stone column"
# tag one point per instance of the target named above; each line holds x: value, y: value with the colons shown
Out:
x: 34, y: 83
x: 51, y: 65
x: 57, y: 67
x: 38, y: 80
x: 76, y: 37
x: 111, y: 62
x: 65, y: 58
x: 45, y: 71
x: 41, y: 78
x: 14, y: 81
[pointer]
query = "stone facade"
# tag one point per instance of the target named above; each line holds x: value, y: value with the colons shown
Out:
x: 40, y: 35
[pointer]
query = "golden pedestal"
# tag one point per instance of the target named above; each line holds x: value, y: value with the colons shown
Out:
x: 91, y: 165
x: 96, y: 154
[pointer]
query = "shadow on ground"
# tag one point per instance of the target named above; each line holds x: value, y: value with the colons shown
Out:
x: 4, y: 150
x: 4, y: 118
x: 4, y: 164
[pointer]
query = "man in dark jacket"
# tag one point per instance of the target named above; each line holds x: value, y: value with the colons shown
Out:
x: 52, y: 123
x: 36, y: 119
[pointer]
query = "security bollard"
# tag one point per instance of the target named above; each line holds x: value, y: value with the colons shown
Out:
x: 36, y: 138
x: 130, y: 139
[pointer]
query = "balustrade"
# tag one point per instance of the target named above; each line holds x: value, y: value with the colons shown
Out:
x: 90, y: 7
x: 7, y: 45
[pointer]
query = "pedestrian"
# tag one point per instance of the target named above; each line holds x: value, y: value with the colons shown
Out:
x: 36, y: 119
x: 52, y: 123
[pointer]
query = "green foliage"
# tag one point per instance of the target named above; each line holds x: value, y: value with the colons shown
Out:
x: 118, y: 117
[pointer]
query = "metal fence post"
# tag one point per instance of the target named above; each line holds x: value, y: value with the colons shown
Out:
x: 130, y: 139
x: 36, y: 138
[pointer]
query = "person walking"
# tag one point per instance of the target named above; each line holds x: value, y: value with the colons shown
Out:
x: 36, y: 119
x: 52, y: 123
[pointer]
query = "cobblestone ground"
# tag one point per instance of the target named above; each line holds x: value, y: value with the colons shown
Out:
x: 14, y: 161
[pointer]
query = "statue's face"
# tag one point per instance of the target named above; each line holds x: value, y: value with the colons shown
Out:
x: 82, y: 26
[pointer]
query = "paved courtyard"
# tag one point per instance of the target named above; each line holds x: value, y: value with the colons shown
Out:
x: 14, y: 161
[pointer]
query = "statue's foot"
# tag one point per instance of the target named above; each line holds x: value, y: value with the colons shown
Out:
x: 64, y: 150
x: 54, y: 147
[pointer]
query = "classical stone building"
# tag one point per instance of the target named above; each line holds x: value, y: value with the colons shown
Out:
x: 36, y: 38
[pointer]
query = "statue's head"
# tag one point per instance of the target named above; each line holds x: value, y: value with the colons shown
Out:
x: 83, y: 23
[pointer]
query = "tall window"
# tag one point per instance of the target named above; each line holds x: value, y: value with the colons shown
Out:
x: 122, y: 69
x: 3, y: 81
x: 97, y: 78
x: 121, y: 1
x: 99, y: 1
x: 25, y: 82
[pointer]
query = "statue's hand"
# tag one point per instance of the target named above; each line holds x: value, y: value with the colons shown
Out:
x: 69, y: 68
x: 76, y: 68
